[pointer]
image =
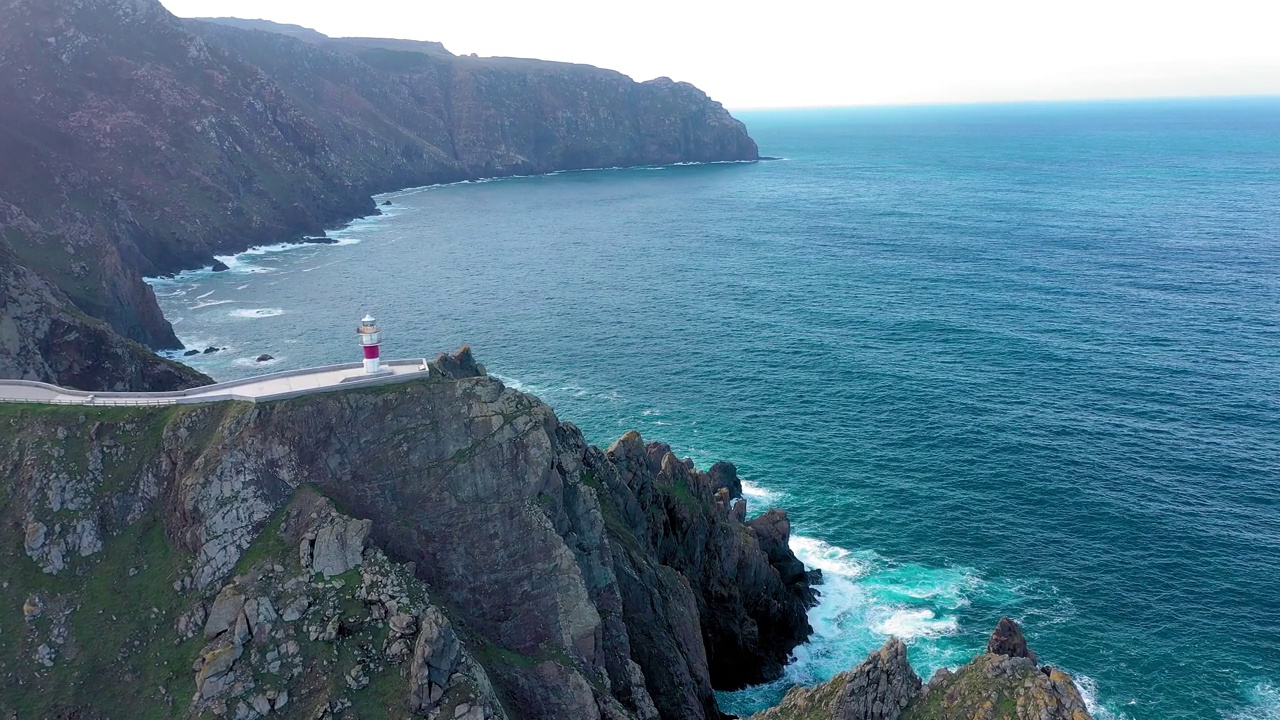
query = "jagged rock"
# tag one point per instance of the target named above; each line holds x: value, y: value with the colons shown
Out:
x: 224, y: 613
x: 211, y: 350
x: 191, y: 622
x: 403, y: 624
x: 461, y: 364
x: 190, y: 353
x: 1011, y: 686
x: 219, y: 266
x: 877, y: 689
x: 1007, y: 639
x: 436, y: 655
x: 296, y: 608
x: 339, y: 546
x: 214, y: 674
x: 260, y: 614
x: 724, y: 474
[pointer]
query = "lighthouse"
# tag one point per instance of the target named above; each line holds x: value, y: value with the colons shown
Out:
x: 371, y: 340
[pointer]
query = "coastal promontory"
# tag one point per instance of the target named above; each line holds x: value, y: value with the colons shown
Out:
x: 135, y: 144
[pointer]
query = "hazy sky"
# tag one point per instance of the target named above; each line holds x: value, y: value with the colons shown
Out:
x: 798, y: 53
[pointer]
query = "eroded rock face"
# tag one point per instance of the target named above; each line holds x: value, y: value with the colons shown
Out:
x: 573, y: 582
x: 44, y: 339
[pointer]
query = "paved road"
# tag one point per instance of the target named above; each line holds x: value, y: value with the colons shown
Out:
x: 267, y: 387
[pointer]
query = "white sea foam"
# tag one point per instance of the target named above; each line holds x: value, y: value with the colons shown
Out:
x: 917, y: 623
x: 1264, y: 704
x: 1089, y: 693
x: 201, y: 297
x: 256, y: 312
x: 211, y: 303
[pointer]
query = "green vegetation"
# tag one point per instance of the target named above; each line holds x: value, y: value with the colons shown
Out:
x: 114, y: 610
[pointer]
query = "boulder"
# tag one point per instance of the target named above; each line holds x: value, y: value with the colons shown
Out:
x: 189, y: 353
x: 211, y: 350
x: 219, y: 266
x: 339, y: 546
x: 264, y: 358
x: 222, y: 615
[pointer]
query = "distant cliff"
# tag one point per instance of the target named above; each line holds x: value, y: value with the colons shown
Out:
x: 133, y: 143
x: 442, y: 548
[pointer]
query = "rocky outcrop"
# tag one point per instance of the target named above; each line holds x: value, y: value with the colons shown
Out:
x: 995, y: 686
x: 487, y: 562
x: 878, y: 689
x: 45, y: 339
x: 133, y: 143
x: 1009, y: 640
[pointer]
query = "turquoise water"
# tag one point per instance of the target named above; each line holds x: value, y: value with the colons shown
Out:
x: 995, y: 360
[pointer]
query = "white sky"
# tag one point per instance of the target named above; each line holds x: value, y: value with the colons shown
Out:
x: 807, y: 53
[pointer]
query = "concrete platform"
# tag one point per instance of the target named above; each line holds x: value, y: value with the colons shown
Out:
x: 276, y: 386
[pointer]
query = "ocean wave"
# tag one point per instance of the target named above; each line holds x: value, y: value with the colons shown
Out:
x: 256, y: 313
x: 1089, y: 693
x: 211, y: 303
x: 1264, y: 704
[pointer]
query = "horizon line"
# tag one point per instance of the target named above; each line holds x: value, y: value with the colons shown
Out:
x: 1034, y: 101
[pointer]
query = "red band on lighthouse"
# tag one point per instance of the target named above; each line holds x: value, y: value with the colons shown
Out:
x: 370, y: 352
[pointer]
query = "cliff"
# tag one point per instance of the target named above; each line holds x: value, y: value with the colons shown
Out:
x: 133, y: 143
x: 1003, y: 683
x: 441, y: 548
x: 44, y: 338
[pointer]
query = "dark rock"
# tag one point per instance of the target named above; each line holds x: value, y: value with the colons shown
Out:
x: 459, y: 365
x: 387, y: 203
x: 264, y: 358
x: 725, y: 475
x: 219, y: 266
x: 319, y: 241
x: 189, y: 353
x: 211, y: 350
x: 1009, y: 640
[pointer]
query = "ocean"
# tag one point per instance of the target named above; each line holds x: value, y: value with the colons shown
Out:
x: 1005, y: 359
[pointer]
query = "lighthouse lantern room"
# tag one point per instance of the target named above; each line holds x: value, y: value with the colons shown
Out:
x: 371, y: 340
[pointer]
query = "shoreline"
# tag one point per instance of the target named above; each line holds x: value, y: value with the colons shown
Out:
x: 295, y: 240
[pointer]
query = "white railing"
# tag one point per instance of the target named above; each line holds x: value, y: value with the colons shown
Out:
x: 218, y: 392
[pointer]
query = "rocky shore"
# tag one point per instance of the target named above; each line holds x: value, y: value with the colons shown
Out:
x: 1004, y: 683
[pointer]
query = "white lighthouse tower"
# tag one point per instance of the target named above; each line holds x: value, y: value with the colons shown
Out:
x: 371, y: 340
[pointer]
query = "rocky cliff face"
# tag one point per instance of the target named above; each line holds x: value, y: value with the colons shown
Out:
x: 133, y: 143
x: 1002, y: 684
x: 44, y: 338
x: 444, y: 546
